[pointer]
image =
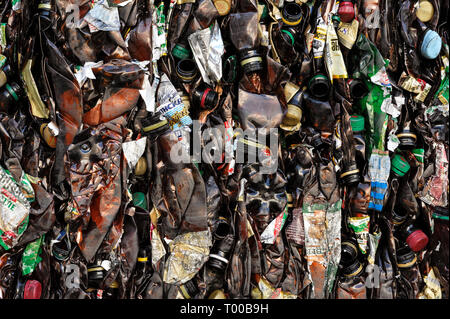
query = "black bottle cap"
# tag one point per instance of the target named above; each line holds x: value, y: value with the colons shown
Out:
x: 349, y: 252
x: 189, y: 289
x: 353, y: 270
x: 251, y: 61
x: 407, y: 139
x: 319, y: 86
x: 218, y: 258
x: 153, y: 125
x: 222, y: 229
x: 358, y: 89
x: 96, y: 274
x: 205, y: 97
x: 406, y: 258
x: 292, y: 14
x: 350, y: 175
x: 186, y: 70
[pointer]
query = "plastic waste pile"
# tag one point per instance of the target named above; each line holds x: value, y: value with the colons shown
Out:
x: 224, y: 149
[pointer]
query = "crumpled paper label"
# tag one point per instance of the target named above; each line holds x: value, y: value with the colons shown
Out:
x: 393, y: 105
x: 432, y: 289
x: 374, y: 240
x: 360, y: 226
x: 133, y: 150
x: 14, y: 210
x: 272, y: 230
x: 393, y: 142
x: 31, y: 256
x: 208, y: 49
x: 103, y: 17
x: 188, y: 253
x: 379, y: 170
x: 322, y: 224
x: 158, y: 250
x: 347, y: 33
x: 85, y: 72
x: 434, y: 193
x: 334, y: 60
x: 159, y: 41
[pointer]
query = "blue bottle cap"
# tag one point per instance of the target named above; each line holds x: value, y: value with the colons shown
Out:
x: 431, y: 45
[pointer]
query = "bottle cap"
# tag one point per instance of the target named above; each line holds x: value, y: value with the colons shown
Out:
x: 140, y: 200
x: 431, y: 45
x: 407, y: 139
x: 13, y: 89
x: 291, y: 121
x: 350, y: 174
x: 189, y: 289
x: 289, y: 35
x: 399, y: 165
x: 417, y: 240
x: 291, y: 14
x: 141, y: 166
x: 358, y: 89
x: 33, y: 290
x: 154, y: 125
x: 353, y: 270
x: 319, y: 86
x: 336, y: 20
x: 186, y: 70
x: 222, y: 6
x: 349, y: 252
x: 406, y: 258
x: 440, y: 213
x: 346, y: 11
x: 357, y: 123
x: 251, y: 61
x: 180, y: 52
x: 425, y: 11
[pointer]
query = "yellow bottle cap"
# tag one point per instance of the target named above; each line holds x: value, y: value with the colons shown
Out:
x: 222, y: 6
x: 291, y: 121
x: 425, y: 11
x: 141, y: 166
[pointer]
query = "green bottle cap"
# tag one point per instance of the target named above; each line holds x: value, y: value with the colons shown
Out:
x: 318, y: 77
x: 11, y: 91
x: 180, y: 52
x: 335, y: 18
x: 140, y: 200
x: 399, y: 165
x: 418, y: 153
x: 357, y: 123
x: 290, y: 36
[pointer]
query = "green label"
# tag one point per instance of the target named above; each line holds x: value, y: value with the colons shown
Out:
x: 31, y: 256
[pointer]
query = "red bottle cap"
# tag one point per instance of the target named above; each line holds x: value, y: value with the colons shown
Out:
x: 346, y: 11
x: 33, y: 290
x: 417, y: 240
